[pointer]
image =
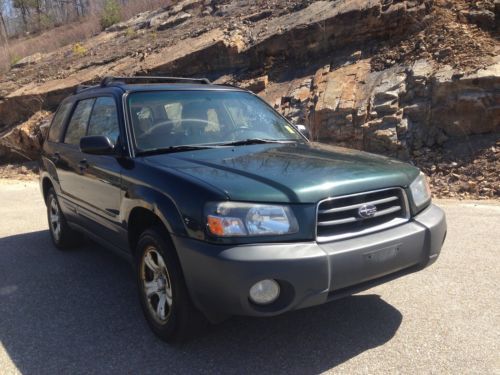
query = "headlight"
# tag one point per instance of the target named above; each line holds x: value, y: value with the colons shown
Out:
x: 420, y: 191
x: 232, y: 219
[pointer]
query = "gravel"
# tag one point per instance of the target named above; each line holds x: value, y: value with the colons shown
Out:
x: 77, y: 312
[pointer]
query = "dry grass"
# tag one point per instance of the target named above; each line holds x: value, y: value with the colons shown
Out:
x: 48, y: 41
x: 71, y: 33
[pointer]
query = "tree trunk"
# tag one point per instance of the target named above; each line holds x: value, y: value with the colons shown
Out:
x: 4, y: 37
x: 39, y: 14
x: 24, y: 16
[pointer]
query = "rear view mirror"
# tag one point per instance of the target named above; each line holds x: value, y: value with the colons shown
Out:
x: 97, y: 145
x: 304, y: 131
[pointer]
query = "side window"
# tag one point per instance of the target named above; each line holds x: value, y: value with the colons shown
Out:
x: 104, y: 119
x: 57, y: 125
x: 78, y: 124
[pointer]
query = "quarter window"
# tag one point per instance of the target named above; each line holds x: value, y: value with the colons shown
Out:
x: 56, y: 128
x: 104, y: 119
x: 78, y: 124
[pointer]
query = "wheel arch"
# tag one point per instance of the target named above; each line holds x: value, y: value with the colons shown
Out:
x: 46, y: 185
x: 139, y: 220
x: 146, y: 207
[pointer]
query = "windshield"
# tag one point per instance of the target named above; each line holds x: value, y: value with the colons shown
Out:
x: 167, y: 119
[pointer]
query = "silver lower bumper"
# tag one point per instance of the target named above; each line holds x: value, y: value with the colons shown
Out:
x: 360, y: 259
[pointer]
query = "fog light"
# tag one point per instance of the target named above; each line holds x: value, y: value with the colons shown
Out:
x: 264, y: 292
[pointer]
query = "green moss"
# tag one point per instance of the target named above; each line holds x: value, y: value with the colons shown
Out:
x: 131, y: 33
x: 14, y: 60
x: 79, y: 49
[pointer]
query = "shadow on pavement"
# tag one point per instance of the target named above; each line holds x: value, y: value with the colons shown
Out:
x: 78, y: 312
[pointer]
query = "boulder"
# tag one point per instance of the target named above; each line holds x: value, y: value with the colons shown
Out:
x: 29, y: 60
x: 174, y: 21
x: 140, y: 21
x: 185, y: 5
x: 256, y: 85
x: 483, y: 18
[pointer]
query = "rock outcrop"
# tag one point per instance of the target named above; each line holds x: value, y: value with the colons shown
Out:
x: 400, y: 109
x: 26, y: 139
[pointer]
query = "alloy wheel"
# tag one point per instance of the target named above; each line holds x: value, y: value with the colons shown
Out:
x: 156, y: 285
x: 55, y: 218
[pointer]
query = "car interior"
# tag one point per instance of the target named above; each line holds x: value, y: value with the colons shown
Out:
x: 163, y: 125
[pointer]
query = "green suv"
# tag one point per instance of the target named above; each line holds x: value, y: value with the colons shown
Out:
x: 223, y: 206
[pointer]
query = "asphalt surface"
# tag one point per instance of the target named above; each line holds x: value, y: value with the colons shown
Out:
x: 77, y: 312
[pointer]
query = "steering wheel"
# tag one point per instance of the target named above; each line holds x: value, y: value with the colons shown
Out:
x: 156, y: 129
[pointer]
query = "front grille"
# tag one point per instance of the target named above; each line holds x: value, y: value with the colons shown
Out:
x: 340, y: 217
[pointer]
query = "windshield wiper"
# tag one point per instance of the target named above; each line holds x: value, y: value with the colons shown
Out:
x: 255, y: 141
x: 171, y: 149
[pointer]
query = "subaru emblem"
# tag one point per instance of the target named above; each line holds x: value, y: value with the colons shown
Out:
x: 367, y: 210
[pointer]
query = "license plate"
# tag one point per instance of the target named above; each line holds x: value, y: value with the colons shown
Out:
x: 382, y: 255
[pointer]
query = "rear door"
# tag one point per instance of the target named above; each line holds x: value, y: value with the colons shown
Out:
x: 68, y: 167
x: 52, y: 150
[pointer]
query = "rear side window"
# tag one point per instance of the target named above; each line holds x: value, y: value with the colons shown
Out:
x: 104, y: 119
x: 78, y: 124
x: 57, y: 126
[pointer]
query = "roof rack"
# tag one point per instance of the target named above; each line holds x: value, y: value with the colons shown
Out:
x: 106, y: 81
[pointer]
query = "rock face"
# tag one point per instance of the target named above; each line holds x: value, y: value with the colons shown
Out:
x: 467, y: 105
x: 27, y: 138
x: 398, y: 110
x: 376, y: 75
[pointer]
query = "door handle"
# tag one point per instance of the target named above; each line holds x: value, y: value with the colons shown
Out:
x: 83, y: 164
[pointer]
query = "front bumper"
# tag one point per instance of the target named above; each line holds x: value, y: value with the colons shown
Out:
x: 310, y: 273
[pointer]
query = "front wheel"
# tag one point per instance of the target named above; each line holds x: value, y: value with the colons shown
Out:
x: 164, y: 297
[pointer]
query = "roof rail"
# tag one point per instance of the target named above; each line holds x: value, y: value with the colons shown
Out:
x: 81, y: 88
x: 106, y: 81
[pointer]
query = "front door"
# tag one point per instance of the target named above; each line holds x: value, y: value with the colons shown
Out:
x: 101, y: 175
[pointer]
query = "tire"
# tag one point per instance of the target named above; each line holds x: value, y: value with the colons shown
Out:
x: 62, y: 235
x: 163, y: 293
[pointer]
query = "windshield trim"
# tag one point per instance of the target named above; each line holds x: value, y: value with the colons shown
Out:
x: 135, y: 151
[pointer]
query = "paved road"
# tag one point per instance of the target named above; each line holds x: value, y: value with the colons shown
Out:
x: 77, y: 312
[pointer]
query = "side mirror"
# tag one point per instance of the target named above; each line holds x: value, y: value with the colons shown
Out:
x: 304, y: 131
x: 97, y: 145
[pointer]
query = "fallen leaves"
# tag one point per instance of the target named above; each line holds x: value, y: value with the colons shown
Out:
x: 475, y: 177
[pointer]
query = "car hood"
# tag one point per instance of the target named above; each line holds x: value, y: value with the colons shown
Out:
x: 299, y: 173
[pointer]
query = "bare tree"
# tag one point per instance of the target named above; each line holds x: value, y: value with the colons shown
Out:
x: 4, y: 39
x: 18, y: 17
